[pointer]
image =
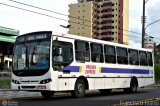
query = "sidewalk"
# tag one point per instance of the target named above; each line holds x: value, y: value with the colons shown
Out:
x: 16, y: 94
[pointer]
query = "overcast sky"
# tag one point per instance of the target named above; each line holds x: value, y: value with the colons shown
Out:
x: 30, y: 22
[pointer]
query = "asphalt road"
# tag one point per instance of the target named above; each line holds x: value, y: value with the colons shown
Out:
x: 93, y: 98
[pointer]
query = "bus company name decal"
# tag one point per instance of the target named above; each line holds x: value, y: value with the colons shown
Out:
x: 90, y: 69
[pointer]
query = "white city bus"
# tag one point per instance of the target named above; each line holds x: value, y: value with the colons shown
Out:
x: 48, y: 62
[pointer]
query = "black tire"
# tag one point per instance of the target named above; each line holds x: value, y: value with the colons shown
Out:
x: 79, y: 90
x: 105, y: 91
x: 47, y: 94
x: 133, y: 87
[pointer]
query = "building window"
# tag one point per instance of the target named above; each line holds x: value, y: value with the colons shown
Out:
x: 96, y: 52
x: 82, y: 51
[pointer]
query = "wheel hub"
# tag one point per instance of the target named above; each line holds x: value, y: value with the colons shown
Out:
x: 80, y: 88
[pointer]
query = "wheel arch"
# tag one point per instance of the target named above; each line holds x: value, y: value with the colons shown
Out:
x: 85, y: 81
x: 134, y: 78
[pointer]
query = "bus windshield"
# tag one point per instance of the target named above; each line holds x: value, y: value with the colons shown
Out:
x: 31, y: 55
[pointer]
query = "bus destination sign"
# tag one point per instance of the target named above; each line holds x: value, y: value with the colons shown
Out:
x: 33, y: 36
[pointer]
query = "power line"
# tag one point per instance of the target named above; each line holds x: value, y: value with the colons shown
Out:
x: 130, y: 31
x: 47, y: 10
x: 63, y: 19
x: 55, y: 17
x: 41, y: 14
x: 57, y: 12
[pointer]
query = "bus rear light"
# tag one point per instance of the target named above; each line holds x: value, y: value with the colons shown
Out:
x: 41, y: 87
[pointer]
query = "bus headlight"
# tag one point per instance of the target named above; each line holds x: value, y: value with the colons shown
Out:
x: 45, y: 81
x: 15, y: 81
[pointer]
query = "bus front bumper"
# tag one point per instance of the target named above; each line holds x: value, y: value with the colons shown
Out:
x: 30, y: 87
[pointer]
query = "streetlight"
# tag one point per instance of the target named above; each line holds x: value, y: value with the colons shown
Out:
x: 67, y: 27
x: 151, y: 24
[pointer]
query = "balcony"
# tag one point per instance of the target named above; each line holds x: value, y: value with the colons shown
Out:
x: 94, y: 25
x: 105, y: 13
x: 107, y: 7
x: 107, y: 36
x: 94, y: 30
x: 94, y: 8
x: 94, y: 19
x: 106, y: 30
x: 107, y: 24
x: 94, y: 13
x: 94, y: 36
x: 95, y: 3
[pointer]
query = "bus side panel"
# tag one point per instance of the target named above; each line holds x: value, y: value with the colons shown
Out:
x: 117, y: 82
x: 149, y: 81
x: 122, y: 82
x: 72, y: 82
x: 109, y: 83
x: 91, y: 83
x: 141, y: 82
x: 63, y: 84
x: 98, y: 83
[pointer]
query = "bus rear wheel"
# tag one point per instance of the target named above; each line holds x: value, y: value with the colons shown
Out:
x: 79, y: 90
x: 133, y: 86
x: 47, y: 94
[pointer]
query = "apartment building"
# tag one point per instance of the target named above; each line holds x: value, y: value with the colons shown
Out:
x: 100, y: 19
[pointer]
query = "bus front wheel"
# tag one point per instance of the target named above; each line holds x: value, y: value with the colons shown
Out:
x: 79, y: 90
x: 47, y: 94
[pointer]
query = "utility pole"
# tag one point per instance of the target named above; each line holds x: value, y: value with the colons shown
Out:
x: 143, y: 24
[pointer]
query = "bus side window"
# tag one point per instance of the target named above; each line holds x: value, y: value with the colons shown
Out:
x: 133, y: 57
x: 110, y: 55
x: 143, y: 58
x: 62, y: 54
x: 82, y: 52
x: 122, y: 55
x: 150, y: 61
x: 97, y: 52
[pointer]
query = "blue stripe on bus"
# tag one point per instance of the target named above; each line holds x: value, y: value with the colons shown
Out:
x: 71, y: 69
x: 109, y: 70
x: 125, y: 71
